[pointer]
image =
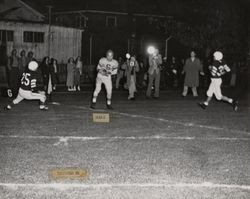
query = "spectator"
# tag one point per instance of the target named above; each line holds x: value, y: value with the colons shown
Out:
x: 140, y: 75
x: 207, y: 64
x: 233, y: 75
x: 23, y: 62
x: 30, y: 57
x: 164, y: 72
x: 131, y: 69
x: 173, y: 73
x: 120, y: 74
x: 78, y: 73
x: 70, y: 74
x: 48, y: 74
x: 44, y: 68
x: 53, y: 66
x: 14, y: 74
x: 192, y: 68
x: 155, y: 60
x: 180, y: 76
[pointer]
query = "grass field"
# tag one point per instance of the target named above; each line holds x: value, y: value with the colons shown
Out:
x: 166, y: 148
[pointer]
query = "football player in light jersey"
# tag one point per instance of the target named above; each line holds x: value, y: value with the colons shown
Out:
x: 28, y: 89
x: 217, y: 70
x: 106, y: 68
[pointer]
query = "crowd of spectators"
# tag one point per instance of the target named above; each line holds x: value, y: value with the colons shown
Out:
x: 75, y: 72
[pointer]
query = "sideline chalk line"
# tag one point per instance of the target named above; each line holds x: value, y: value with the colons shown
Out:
x: 153, y: 137
x: 123, y: 185
x: 63, y: 140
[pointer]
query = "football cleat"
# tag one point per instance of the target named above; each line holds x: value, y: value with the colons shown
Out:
x: 110, y: 107
x: 43, y: 108
x: 202, y: 105
x: 235, y: 105
x: 7, y: 108
x: 92, y: 106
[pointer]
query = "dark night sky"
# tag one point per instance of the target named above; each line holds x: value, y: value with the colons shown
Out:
x: 167, y: 7
x: 190, y: 11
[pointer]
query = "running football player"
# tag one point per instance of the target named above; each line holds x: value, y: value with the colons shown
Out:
x: 217, y: 70
x: 106, y: 68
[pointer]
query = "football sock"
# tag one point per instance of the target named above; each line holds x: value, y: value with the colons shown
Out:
x: 108, y: 102
x: 94, y: 99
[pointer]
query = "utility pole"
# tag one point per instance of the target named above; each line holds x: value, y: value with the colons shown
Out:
x: 49, y: 31
x: 166, y: 49
x: 90, y: 48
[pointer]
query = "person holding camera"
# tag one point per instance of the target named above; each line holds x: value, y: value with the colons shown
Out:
x: 132, y: 67
x: 155, y: 60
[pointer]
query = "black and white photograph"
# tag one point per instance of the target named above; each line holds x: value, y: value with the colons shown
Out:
x: 124, y: 99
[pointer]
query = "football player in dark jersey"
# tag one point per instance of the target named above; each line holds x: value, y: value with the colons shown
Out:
x: 217, y: 70
x: 28, y: 89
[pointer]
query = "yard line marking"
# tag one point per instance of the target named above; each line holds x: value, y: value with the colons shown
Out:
x: 55, y: 103
x: 65, y: 139
x: 123, y: 185
x: 186, y: 124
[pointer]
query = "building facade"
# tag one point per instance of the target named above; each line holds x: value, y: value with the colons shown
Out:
x: 42, y: 39
x: 24, y: 28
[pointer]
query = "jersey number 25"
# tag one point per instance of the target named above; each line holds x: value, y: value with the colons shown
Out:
x: 25, y: 79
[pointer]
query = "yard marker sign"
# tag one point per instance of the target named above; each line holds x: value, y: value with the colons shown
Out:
x: 101, y: 118
x: 68, y: 174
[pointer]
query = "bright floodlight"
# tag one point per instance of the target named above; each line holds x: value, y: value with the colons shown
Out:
x: 151, y: 50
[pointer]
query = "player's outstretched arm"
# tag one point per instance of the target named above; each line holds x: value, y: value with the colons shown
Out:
x: 115, y: 68
x: 227, y: 69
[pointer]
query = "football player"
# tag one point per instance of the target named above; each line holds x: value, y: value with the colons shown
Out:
x: 106, y: 68
x: 28, y: 89
x: 217, y: 70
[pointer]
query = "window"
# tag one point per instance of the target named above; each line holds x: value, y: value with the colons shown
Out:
x: 6, y: 35
x: 10, y: 35
x: 59, y: 20
x: 111, y: 21
x: 38, y: 37
x: 28, y: 36
x: 33, y: 37
x: 81, y: 21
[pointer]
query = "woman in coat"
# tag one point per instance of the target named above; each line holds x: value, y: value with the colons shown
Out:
x: 192, y: 69
x: 78, y: 73
x: 70, y: 74
x: 53, y: 67
x: 23, y: 62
